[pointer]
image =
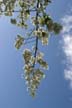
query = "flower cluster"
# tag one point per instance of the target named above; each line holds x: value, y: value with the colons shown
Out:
x: 19, y: 42
x: 40, y: 28
x: 42, y: 35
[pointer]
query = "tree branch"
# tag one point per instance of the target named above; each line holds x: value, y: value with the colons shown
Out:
x: 36, y: 45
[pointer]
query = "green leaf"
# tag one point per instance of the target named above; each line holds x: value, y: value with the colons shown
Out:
x: 13, y: 21
x: 57, y: 28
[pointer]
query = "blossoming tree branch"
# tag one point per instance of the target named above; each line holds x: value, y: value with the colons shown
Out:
x: 39, y: 30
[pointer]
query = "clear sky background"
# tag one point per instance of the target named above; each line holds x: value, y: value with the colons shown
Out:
x: 55, y: 90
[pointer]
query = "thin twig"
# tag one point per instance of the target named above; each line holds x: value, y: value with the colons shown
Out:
x: 3, y: 11
x: 29, y: 42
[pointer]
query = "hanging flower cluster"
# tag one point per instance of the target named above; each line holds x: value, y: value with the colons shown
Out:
x: 41, y: 26
x: 42, y: 35
x: 19, y: 42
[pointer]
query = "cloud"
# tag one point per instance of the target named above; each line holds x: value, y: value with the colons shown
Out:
x: 67, y: 46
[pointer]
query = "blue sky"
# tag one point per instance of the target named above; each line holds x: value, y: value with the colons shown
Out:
x: 55, y: 90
